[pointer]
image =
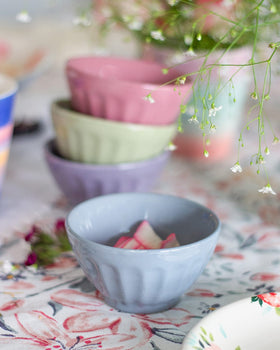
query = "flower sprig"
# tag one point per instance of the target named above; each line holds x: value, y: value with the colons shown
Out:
x: 199, y: 30
x: 46, y: 247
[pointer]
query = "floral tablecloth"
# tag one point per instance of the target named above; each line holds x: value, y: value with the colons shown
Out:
x: 57, y: 308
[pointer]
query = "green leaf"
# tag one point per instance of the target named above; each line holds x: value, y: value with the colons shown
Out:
x: 254, y: 298
x: 204, y: 339
x: 44, y: 238
x: 203, y: 330
x: 64, y: 243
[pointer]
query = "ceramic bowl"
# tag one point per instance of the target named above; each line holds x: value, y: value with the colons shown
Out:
x: 142, y: 281
x: 79, y: 181
x: 8, y: 90
x: 115, y: 88
x: 85, y: 139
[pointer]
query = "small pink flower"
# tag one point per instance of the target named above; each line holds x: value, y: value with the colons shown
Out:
x: 272, y: 299
x: 59, y: 227
x: 264, y: 276
x: 31, y: 259
x: 28, y: 237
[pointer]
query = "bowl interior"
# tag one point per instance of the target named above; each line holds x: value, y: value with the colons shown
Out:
x: 135, y: 71
x: 104, y: 219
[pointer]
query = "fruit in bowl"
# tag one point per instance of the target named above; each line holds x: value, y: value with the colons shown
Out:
x: 142, y: 280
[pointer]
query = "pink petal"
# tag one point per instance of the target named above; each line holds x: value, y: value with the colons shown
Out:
x: 46, y: 328
x: 77, y: 300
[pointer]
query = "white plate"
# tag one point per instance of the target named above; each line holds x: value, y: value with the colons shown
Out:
x: 248, y: 324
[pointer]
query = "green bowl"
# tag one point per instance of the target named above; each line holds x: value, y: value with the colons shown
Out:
x: 88, y: 139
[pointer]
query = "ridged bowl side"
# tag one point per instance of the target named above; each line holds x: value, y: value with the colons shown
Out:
x: 80, y: 181
x: 142, y: 281
x: 115, y: 88
x: 93, y: 140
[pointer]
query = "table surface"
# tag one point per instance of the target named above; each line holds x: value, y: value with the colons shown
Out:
x: 57, y: 308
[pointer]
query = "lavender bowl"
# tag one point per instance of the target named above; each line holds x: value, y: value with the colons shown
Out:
x: 115, y: 88
x: 81, y: 181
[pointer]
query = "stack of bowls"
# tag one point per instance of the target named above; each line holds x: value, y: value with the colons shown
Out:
x: 109, y: 137
x: 8, y: 90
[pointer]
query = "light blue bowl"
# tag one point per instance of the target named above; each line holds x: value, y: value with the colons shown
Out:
x: 142, y: 281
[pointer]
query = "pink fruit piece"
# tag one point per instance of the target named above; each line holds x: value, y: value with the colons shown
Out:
x: 146, y: 236
x: 170, y: 242
x: 121, y: 241
x: 131, y: 243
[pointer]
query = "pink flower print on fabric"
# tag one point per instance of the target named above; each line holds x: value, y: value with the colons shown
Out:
x: 213, y: 347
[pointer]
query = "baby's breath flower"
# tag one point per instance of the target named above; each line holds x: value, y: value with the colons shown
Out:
x: 172, y: 2
x: 254, y: 95
x: 275, y: 140
x: 136, y: 24
x: 149, y: 98
x: 267, y: 189
x: 182, y: 80
x: 228, y: 3
x: 193, y: 119
x: 157, y: 35
x: 191, y: 52
x: 6, y: 266
x: 188, y: 39
x: 206, y: 153
x: 213, y: 110
x: 236, y: 168
x: 212, y: 129
x: 23, y: 17
x: 266, y: 151
x: 171, y: 147
x: 82, y: 21
x: 260, y: 159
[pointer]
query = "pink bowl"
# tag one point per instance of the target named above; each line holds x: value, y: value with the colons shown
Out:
x: 115, y: 89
